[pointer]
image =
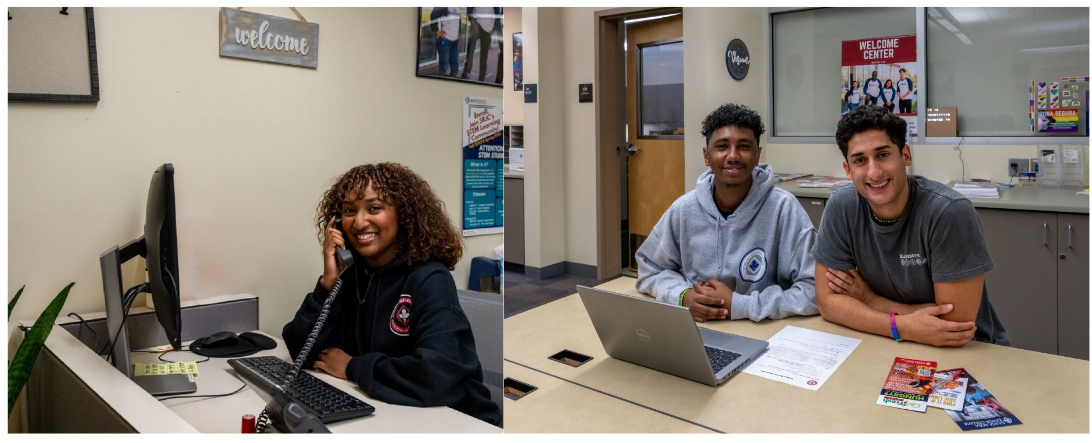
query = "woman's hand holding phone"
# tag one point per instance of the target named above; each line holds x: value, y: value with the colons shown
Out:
x: 331, y: 269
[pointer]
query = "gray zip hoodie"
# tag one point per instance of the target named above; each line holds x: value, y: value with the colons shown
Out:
x: 761, y: 251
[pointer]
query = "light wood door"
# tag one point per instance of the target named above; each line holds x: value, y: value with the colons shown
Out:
x: 656, y: 169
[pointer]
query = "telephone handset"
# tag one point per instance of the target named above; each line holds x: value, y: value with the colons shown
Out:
x: 344, y: 257
x: 280, y: 401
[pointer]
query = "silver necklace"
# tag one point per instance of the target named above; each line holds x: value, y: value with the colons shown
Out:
x: 882, y: 222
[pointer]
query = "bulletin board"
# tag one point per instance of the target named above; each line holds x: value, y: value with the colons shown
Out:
x: 51, y: 55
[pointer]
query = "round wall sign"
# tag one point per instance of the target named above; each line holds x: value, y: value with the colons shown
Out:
x: 737, y: 59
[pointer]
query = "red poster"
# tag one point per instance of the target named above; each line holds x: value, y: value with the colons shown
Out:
x: 881, y: 71
x: 880, y: 51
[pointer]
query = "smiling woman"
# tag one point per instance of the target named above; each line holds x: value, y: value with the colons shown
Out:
x: 404, y: 338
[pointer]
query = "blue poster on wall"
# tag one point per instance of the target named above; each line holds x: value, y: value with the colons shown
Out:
x: 483, y: 166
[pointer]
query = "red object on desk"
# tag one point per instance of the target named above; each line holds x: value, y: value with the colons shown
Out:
x: 248, y: 424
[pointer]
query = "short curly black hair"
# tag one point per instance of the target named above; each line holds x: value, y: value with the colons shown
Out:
x: 731, y: 114
x: 867, y: 118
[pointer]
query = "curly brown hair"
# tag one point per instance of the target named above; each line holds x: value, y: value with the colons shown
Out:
x: 425, y: 232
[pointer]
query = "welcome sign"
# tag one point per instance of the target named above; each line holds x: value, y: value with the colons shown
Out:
x: 268, y: 38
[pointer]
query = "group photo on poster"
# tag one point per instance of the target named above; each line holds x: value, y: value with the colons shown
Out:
x: 881, y: 71
x: 465, y: 44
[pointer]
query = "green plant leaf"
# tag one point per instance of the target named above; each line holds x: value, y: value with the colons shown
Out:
x: 11, y: 304
x: 19, y: 369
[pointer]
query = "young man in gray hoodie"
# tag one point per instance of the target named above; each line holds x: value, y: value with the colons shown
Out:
x: 736, y: 246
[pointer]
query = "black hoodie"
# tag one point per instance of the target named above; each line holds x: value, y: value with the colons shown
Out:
x: 410, y: 340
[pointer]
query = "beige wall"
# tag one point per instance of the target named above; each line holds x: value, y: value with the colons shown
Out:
x: 706, y: 33
x: 578, y: 57
x: 543, y: 136
x: 254, y: 145
x: 513, y: 100
x: 559, y: 133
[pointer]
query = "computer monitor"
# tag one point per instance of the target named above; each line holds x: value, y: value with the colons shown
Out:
x: 159, y: 245
x: 161, y: 240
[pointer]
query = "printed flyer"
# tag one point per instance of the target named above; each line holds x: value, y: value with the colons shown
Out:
x: 881, y: 71
x: 981, y: 410
x: 1058, y: 120
x: 949, y: 389
x: 908, y: 384
x: 483, y: 167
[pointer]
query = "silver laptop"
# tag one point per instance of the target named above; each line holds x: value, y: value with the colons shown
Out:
x: 665, y: 338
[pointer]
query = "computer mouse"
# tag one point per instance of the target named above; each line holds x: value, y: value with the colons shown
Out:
x: 225, y: 338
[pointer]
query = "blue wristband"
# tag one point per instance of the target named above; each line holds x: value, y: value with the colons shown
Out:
x: 894, y: 329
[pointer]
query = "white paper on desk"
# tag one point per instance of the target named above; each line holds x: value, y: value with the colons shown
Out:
x: 802, y: 357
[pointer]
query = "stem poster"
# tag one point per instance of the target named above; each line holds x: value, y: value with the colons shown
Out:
x: 483, y: 166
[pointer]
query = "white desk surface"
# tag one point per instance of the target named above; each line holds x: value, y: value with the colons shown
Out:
x: 224, y: 414
x: 1048, y: 393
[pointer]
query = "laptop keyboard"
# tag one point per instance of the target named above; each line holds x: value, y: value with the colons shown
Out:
x: 720, y: 358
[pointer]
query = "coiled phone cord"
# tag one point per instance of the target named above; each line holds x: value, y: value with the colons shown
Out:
x: 263, y: 418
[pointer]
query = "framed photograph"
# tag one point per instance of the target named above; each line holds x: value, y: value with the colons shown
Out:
x: 517, y: 61
x: 463, y: 44
x: 52, y: 55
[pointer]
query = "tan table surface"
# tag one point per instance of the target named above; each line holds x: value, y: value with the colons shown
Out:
x: 224, y: 414
x: 1047, y: 393
x: 585, y: 410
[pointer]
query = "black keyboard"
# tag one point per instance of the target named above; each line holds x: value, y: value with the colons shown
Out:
x: 328, y: 403
x: 720, y: 358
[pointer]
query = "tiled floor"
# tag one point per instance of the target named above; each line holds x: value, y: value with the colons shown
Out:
x: 522, y: 293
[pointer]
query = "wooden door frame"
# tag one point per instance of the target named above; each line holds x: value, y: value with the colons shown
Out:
x: 610, y: 96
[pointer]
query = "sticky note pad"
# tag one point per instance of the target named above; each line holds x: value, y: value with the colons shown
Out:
x: 181, y: 367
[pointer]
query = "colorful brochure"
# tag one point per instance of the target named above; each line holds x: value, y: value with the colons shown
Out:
x: 981, y: 410
x: 949, y: 389
x: 1043, y: 97
x: 908, y: 384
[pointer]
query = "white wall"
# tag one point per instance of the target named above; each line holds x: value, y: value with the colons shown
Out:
x: 254, y: 144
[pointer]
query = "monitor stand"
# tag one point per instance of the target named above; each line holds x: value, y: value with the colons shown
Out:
x: 167, y: 384
x: 110, y: 262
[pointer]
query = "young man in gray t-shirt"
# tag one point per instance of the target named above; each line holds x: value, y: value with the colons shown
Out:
x: 898, y: 255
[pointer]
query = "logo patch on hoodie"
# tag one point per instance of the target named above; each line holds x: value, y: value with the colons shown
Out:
x: 753, y: 266
x: 400, y: 316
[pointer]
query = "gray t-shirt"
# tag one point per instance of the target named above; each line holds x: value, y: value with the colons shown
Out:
x: 938, y: 238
